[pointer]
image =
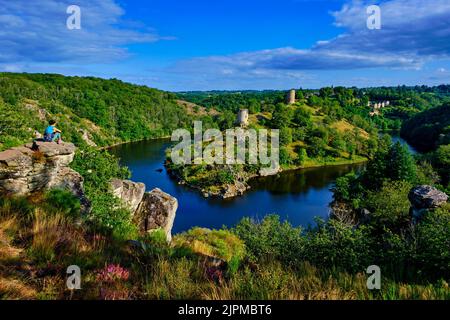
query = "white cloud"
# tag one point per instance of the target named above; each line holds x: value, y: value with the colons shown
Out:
x: 35, y: 31
x: 413, y: 32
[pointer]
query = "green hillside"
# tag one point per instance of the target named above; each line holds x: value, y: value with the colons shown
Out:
x: 428, y: 129
x: 87, y: 109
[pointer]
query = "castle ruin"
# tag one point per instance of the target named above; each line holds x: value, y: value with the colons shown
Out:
x: 291, y: 97
x: 242, y: 118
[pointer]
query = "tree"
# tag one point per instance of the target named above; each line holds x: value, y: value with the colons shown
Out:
x: 400, y: 164
x: 302, y: 117
x: 285, y: 136
x: 316, y: 147
x: 390, y: 206
x: 326, y: 92
x: 442, y: 162
x: 285, y: 157
x: 226, y: 120
x: 281, y: 116
x: 301, y: 156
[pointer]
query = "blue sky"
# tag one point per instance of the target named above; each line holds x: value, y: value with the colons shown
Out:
x: 229, y: 44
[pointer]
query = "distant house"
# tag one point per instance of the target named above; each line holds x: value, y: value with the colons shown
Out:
x: 376, y: 106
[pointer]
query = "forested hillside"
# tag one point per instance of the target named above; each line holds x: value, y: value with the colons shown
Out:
x: 103, y: 111
x: 352, y: 103
x: 429, y: 129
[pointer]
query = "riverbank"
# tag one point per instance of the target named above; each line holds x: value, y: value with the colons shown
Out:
x: 315, y: 164
x: 133, y: 141
x: 225, y: 181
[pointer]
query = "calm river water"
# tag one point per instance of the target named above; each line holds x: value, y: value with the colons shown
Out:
x: 297, y: 196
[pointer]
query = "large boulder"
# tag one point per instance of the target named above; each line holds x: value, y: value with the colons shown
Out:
x: 427, y: 197
x: 45, y: 165
x: 235, y: 189
x: 131, y: 193
x: 157, y: 210
x: 424, y: 198
x: 72, y: 181
x: 270, y: 171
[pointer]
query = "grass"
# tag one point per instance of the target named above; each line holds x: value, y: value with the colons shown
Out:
x: 37, y: 245
x: 343, y: 126
x: 181, y: 279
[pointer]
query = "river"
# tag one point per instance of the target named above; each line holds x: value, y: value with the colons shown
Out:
x: 396, y: 138
x: 297, y: 196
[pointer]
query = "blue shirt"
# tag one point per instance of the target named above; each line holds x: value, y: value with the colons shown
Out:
x: 49, y: 130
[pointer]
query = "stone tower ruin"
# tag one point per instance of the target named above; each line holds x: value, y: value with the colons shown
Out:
x: 291, y: 97
x: 242, y: 118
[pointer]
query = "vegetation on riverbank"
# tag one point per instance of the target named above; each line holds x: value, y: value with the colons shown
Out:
x: 324, y: 127
x: 312, y: 134
x: 429, y: 131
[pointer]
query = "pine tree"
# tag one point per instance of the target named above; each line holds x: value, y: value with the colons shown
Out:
x: 400, y: 164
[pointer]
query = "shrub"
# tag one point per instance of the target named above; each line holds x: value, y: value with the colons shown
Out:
x: 270, y: 239
x: 285, y: 157
x: 98, y: 167
x: 62, y: 201
x: 112, y: 279
x: 224, y: 177
x: 433, y: 243
x: 108, y: 217
x: 390, y: 206
x: 337, y: 245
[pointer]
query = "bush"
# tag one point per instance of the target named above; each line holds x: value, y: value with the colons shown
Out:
x: 336, y: 245
x: 270, y: 239
x: 390, y: 206
x: 62, y: 201
x: 110, y: 218
x: 224, y: 177
x: 433, y: 243
x: 98, y: 167
x: 285, y: 157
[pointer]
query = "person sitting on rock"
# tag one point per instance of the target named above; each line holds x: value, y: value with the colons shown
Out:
x: 52, y: 133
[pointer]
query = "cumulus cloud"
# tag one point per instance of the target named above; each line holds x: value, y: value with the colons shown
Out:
x: 35, y: 31
x: 412, y: 33
x: 410, y: 28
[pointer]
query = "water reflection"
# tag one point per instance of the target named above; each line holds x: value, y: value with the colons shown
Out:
x: 298, y: 196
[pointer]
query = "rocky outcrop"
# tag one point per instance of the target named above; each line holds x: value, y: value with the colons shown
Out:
x: 424, y: 198
x: 87, y: 138
x: 270, y: 171
x: 150, y: 210
x: 236, y: 189
x: 427, y: 197
x: 131, y: 193
x: 344, y: 212
x: 29, y: 169
x: 157, y: 210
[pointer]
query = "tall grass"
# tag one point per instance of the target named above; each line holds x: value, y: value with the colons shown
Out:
x: 36, y: 239
x: 181, y: 279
